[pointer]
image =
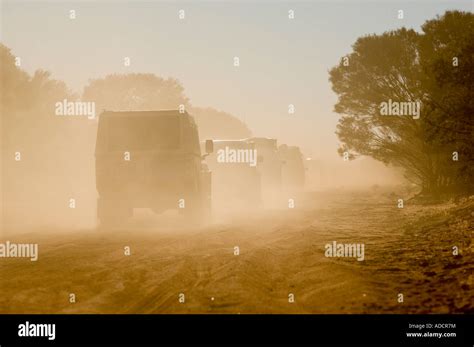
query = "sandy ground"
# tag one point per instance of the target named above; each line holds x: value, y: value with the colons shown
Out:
x: 407, y: 251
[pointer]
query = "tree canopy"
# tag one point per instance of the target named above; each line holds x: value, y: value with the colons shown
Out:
x: 135, y: 91
x: 433, y: 68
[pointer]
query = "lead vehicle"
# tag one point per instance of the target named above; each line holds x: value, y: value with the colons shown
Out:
x: 150, y: 159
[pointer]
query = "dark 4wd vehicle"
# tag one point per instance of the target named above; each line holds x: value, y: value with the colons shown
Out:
x: 150, y: 159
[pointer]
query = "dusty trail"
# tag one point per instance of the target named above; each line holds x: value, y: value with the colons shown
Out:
x: 281, y: 252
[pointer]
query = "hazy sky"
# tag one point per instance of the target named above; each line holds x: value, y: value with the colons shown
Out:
x: 282, y: 61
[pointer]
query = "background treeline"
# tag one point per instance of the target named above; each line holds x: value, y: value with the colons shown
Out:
x: 30, y: 100
x: 435, y: 67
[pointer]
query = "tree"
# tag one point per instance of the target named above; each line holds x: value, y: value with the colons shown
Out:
x: 214, y: 124
x: 27, y: 104
x: 405, y: 66
x: 50, y: 147
x: 447, y: 50
x: 14, y: 82
x: 135, y: 92
x: 140, y: 92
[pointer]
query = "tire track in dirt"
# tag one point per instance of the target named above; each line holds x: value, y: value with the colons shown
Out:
x: 281, y: 252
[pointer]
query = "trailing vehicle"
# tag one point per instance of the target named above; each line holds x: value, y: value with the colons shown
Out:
x: 236, y: 181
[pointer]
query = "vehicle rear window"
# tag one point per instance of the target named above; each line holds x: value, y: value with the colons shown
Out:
x: 143, y: 133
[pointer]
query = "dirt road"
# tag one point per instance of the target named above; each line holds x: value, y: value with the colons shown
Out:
x: 281, y: 254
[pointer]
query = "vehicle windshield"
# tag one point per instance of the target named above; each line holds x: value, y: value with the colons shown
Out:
x: 143, y: 133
